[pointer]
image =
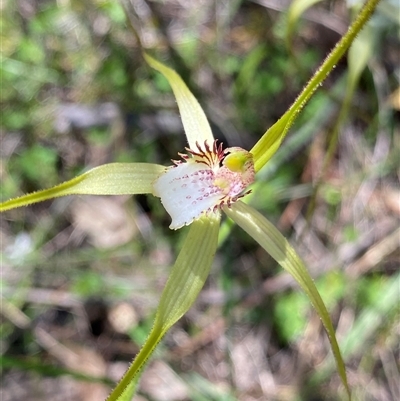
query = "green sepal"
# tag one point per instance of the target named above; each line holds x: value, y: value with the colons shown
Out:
x: 194, y: 120
x: 108, y: 179
x: 185, y: 281
x: 269, y: 237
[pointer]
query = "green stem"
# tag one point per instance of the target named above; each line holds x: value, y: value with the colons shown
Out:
x: 140, y: 360
x: 274, y: 137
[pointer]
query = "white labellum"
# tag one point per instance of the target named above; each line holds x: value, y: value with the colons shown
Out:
x: 186, y: 190
x: 203, y: 182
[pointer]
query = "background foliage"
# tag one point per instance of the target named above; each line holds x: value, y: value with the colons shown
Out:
x: 81, y: 276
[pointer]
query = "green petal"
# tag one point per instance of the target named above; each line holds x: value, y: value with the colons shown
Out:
x: 258, y: 227
x: 194, y: 120
x: 185, y: 281
x: 190, y: 271
x: 109, y: 179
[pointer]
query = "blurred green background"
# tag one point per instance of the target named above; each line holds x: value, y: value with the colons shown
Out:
x: 81, y: 276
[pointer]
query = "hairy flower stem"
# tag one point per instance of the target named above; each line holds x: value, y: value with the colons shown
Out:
x: 137, y: 364
x: 261, y: 157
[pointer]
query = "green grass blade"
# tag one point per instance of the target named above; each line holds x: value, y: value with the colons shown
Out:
x: 296, y: 9
x: 185, y: 281
x: 373, y: 318
x: 359, y: 55
x: 39, y: 367
x: 109, y: 179
x: 269, y: 237
x: 367, y: 326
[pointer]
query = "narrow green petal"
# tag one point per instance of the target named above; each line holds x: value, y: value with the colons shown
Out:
x: 269, y: 237
x: 109, y: 179
x: 190, y: 271
x: 185, y: 281
x: 194, y: 120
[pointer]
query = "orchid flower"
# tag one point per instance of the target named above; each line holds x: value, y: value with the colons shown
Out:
x: 205, y: 182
